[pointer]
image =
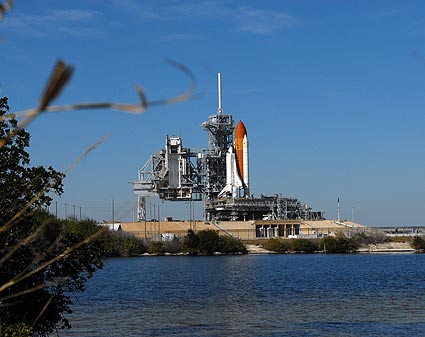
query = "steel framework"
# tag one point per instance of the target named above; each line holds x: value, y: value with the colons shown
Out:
x: 178, y: 174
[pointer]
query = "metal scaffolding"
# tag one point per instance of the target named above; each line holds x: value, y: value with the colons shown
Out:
x: 177, y: 173
x: 220, y: 138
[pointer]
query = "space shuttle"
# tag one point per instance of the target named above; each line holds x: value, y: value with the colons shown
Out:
x: 237, y: 166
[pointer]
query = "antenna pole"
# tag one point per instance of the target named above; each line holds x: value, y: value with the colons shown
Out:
x: 339, y: 211
x: 219, y: 110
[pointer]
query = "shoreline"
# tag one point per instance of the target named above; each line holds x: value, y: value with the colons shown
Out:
x: 380, y: 248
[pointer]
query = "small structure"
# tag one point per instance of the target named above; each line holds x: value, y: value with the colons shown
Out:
x: 112, y: 226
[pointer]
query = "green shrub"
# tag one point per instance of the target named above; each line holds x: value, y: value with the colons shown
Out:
x: 156, y: 247
x: 363, y: 239
x: 231, y: 245
x: 122, y: 244
x: 304, y: 246
x: 338, y: 245
x: 173, y: 246
x: 209, y: 242
x: 418, y: 243
x: 16, y: 330
x: 277, y: 245
x: 191, y: 243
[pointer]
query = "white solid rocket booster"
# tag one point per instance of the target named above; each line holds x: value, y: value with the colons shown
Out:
x: 237, y: 165
x: 245, y: 161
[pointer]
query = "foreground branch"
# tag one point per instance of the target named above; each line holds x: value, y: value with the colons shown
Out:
x: 5, y: 7
x: 61, y: 76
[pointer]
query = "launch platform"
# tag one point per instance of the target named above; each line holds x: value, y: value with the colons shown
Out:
x: 217, y: 175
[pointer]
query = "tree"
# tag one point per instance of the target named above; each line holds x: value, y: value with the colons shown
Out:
x: 418, y: 243
x: 19, y: 182
x: 338, y: 245
x: 277, y: 245
x: 191, y: 242
x: 304, y: 246
x: 209, y: 242
x: 230, y: 245
x: 42, y: 258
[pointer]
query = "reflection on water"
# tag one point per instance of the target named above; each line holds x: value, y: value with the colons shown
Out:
x: 255, y: 295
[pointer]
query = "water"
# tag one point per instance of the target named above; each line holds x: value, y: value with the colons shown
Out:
x: 255, y: 295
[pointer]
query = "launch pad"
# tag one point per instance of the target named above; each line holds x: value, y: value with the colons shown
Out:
x: 218, y: 176
x: 264, y: 208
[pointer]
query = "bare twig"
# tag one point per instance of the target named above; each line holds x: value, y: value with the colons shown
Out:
x: 62, y: 74
x: 23, y: 292
x: 43, y: 310
x: 33, y: 235
x: 50, y: 185
x: 188, y: 93
x: 26, y: 241
x: 5, y: 7
x: 21, y: 243
x: 59, y: 78
x: 86, y: 152
x: 65, y: 253
x: 35, y: 288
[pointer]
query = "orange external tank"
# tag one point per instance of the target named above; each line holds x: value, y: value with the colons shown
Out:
x: 240, y: 135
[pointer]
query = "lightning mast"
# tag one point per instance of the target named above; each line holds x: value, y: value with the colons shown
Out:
x: 220, y: 109
x: 220, y: 138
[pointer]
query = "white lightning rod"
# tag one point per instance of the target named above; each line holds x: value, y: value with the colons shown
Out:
x: 220, y: 110
x: 339, y: 211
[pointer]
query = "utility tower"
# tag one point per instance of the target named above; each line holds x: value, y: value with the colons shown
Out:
x: 220, y: 138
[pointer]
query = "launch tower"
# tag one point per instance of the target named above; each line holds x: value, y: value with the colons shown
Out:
x: 218, y: 175
x: 220, y: 138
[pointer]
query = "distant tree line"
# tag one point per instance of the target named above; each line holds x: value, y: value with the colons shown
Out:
x: 205, y: 242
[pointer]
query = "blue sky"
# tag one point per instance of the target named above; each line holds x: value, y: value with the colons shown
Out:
x: 331, y: 93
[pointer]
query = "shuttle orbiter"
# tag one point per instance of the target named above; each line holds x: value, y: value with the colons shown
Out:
x: 237, y: 166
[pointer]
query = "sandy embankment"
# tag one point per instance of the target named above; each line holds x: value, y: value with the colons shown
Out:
x: 254, y: 249
x: 386, y: 247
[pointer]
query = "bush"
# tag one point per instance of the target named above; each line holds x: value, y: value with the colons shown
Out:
x: 191, y: 243
x: 277, y: 245
x: 16, y: 330
x: 231, y: 245
x: 122, y: 244
x: 156, y: 247
x: 338, y: 245
x: 418, y: 243
x: 363, y: 239
x: 207, y: 242
x: 173, y: 247
x: 304, y: 246
x: 62, y: 264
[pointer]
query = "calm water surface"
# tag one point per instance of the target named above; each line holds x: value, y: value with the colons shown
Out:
x: 255, y: 295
